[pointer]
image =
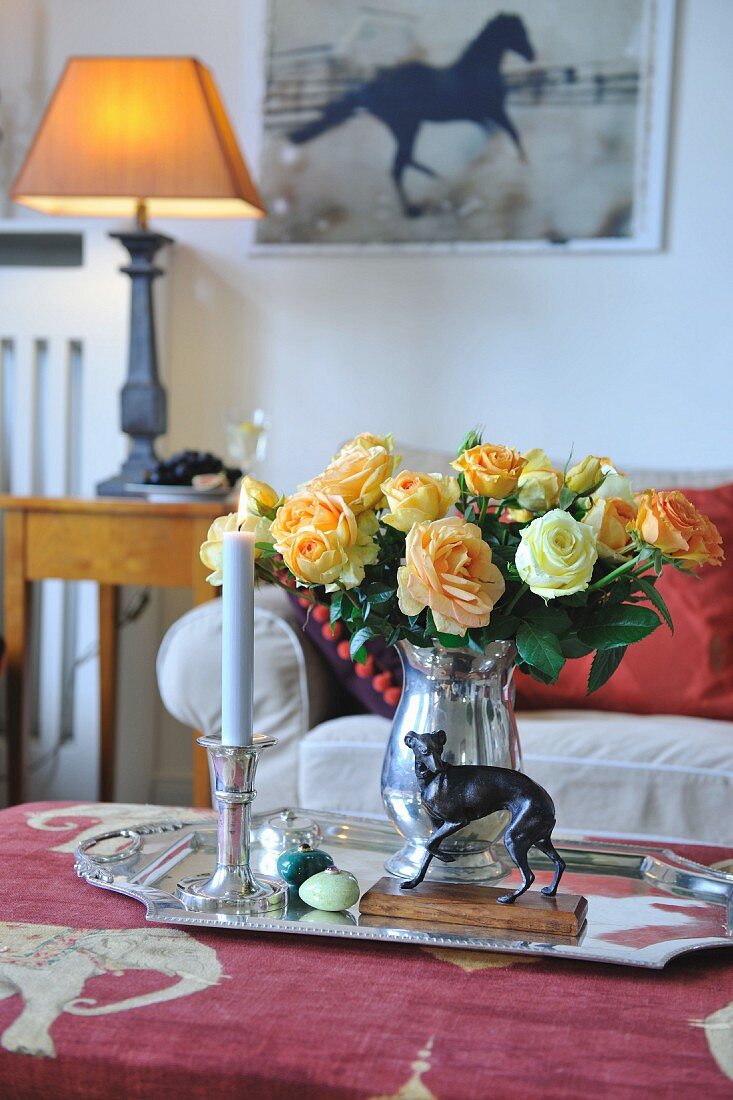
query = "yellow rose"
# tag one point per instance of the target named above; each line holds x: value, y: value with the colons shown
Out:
x: 490, y: 470
x: 448, y: 568
x: 517, y: 515
x: 610, y: 519
x: 211, y: 550
x: 315, y: 513
x: 356, y: 474
x: 671, y: 523
x: 584, y: 475
x: 539, y: 483
x: 415, y: 498
x: 256, y: 497
x: 366, y: 439
x: 556, y: 555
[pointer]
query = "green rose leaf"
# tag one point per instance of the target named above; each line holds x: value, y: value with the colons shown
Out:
x: 549, y: 617
x: 535, y: 673
x: 605, y: 663
x: 577, y: 599
x: 540, y: 648
x: 380, y: 593
x: 471, y: 439
x: 620, y: 625
x: 573, y: 648
x: 356, y: 645
x: 335, y: 610
x: 500, y: 629
x: 654, y: 597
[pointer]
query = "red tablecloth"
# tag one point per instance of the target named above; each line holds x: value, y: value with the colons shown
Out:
x: 277, y: 1016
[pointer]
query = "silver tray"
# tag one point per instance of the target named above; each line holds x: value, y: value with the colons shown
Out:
x: 645, y: 904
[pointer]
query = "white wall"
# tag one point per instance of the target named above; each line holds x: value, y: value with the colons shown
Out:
x: 627, y: 355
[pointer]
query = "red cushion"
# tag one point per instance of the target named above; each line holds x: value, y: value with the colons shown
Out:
x: 690, y: 672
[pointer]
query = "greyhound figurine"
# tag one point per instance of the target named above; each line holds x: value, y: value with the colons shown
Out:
x: 454, y: 795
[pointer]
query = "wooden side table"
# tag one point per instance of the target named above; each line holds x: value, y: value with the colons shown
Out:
x: 113, y: 542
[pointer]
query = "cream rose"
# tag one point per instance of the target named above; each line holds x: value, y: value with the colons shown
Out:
x: 539, y: 483
x: 671, y: 523
x: 611, y: 519
x: 615, y: 486
x: 356, y: 474
x: 556, y: 555
x: 448, y: 568
x: 211, y: 550
x: 490, y: 470
x: 416, y: 498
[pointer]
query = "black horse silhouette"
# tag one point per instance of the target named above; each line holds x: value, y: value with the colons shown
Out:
x: 453, y: 795
x: 405, y: 96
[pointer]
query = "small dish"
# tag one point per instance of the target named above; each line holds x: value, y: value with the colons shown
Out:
x: 178, y: 494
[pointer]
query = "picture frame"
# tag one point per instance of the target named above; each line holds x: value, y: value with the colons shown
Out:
x: 584, y: 170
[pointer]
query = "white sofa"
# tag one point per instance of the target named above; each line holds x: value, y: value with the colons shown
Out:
x: 659, y: 776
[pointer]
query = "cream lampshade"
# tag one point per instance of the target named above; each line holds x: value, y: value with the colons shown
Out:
x: 137, y: 137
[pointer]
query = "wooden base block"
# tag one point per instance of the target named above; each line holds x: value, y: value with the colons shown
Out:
x: 457, y: 903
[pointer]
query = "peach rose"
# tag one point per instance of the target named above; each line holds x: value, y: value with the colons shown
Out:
x: 356, y: 474
x: 314, y: 557
x: 539, y: 483
x: 448, y: 568
x: 611, y: 520
x: 342, y: 543
x: 309, y: 508
x: 490, y: 470
x: 671, y: 523
x: 416, y: 498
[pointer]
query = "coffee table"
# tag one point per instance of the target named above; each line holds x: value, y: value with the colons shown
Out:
x: 109, y: 1006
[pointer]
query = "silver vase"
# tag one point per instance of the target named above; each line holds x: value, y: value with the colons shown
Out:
x: 471, y: 697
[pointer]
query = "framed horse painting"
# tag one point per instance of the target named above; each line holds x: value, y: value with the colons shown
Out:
x: 465, y: 124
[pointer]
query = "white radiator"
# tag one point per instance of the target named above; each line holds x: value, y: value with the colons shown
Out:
x: 63, y: 341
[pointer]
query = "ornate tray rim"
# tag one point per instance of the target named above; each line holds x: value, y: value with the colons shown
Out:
x: 658, y: 865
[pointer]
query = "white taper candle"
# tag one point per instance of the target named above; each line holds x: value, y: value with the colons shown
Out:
x: 237, y: 638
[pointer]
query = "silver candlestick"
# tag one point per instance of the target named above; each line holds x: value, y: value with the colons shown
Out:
x: 233, y: 888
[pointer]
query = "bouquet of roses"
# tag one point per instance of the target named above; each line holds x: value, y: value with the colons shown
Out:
x: 562, y: 562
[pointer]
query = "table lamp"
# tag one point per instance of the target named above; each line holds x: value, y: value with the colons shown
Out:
x: 137, y: 137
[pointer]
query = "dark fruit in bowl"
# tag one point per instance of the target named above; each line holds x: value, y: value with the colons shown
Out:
x: 181, y: 468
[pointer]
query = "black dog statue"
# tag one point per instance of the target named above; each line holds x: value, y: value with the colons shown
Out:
x: 454, y: 795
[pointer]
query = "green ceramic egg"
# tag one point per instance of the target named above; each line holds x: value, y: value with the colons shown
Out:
x: 302, y: 863
x: 331, y: 890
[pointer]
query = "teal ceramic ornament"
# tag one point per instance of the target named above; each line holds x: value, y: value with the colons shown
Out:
x: 297, y: 866
x: 331, y: 890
